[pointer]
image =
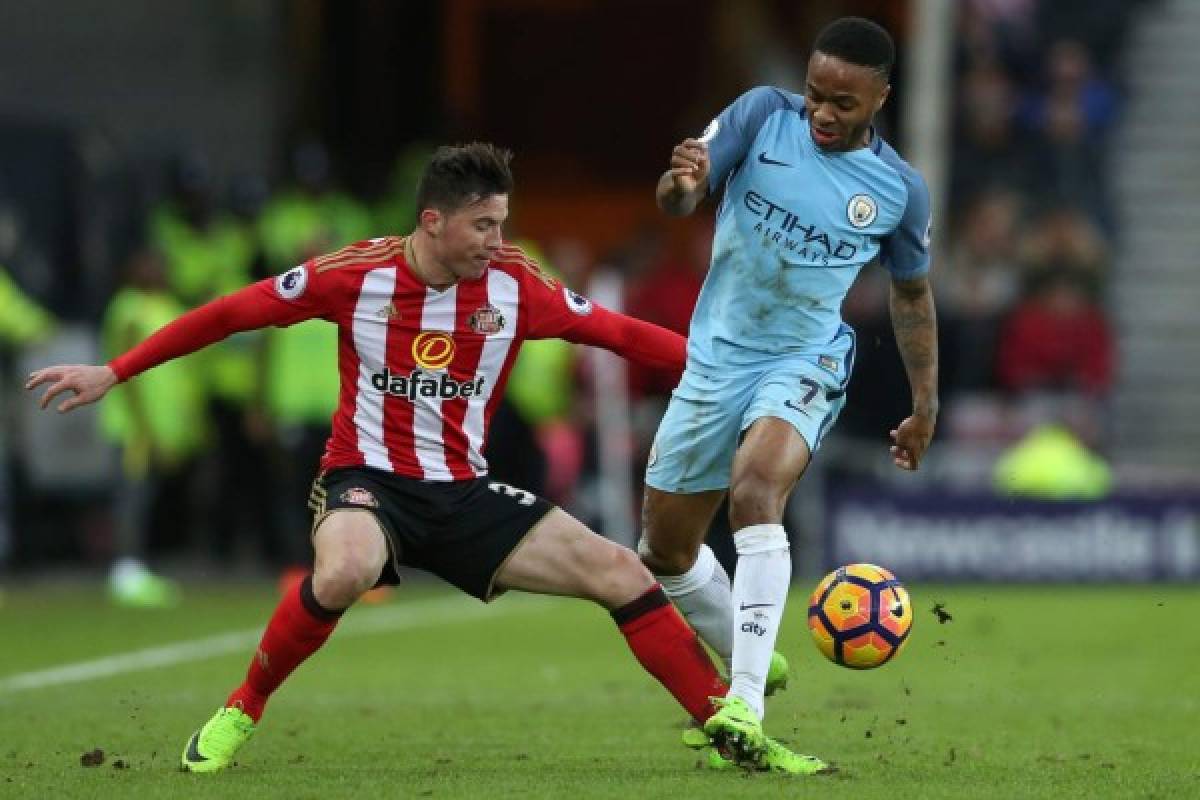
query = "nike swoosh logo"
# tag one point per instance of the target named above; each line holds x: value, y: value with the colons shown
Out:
x: 793, y: 406
x: 762, y: 159
x: 193, y: 755
x: 748, y: 606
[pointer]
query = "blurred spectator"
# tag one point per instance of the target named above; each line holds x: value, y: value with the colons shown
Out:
x: 299, y: 397
x: 1101, y: 26
x: 988, y: 155
x: 996, y: 33
x: 210, y: 252
x: 21, y: 319
x: 1069, y: 119
x: 308, y: 218
x: 207, y: 253
x: 1056, y: 339
x: 396, y: 211
x: 22, y: 322
x: 977, y: 286
x: 157, y: 423
x: 663, y: 289
x: 311, y: 216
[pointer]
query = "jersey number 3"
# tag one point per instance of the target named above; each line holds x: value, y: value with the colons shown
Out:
x: 520, y: 495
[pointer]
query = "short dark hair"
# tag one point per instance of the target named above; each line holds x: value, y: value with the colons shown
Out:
x: 858, y: 41
x: 459, y: 175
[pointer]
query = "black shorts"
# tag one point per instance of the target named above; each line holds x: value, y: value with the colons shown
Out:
x: 461, y: 531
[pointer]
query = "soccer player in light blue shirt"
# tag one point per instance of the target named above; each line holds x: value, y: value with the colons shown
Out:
x: 809, y: 195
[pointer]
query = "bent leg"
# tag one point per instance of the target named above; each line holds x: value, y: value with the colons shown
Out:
x: 672, y: 546
x: 673, y: 528
x: 350, y: 554
x: 561, y: 556
x: 772, y: 457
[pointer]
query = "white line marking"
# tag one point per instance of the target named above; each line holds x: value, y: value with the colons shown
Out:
x: 360, y: 623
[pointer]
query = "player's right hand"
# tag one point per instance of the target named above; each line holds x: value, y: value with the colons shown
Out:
x: 689, y: 165
x: 88, y: 382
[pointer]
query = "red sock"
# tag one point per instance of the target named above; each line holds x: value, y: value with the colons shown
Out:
x: 297, y: 629
x: 668, y: 649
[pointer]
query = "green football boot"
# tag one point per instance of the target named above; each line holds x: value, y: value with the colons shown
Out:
x: 777, y: 674
x: 695, y: 738
x: 213, y: 747
x: 735, y: 728
x: 776, y: 758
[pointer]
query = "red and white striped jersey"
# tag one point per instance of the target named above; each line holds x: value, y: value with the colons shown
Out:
x: 422, y: 371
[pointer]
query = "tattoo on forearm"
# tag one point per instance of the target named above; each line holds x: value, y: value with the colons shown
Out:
x: 914, y: 321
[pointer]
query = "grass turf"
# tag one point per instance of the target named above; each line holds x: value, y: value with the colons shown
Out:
x: 1032, y: 692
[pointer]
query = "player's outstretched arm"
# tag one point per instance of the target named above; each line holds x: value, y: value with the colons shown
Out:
x: 88, y: 382
x: 914, y: 321
x: 255, y: 306
x: 684, y: 184
x: 641, y: 342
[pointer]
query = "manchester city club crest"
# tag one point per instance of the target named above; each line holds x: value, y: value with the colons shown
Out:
x: 861, y: 210
x: 486, y: 320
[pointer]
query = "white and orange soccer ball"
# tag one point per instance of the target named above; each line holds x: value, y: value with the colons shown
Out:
x: 860, y: 616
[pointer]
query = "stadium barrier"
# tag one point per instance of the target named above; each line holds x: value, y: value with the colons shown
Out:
x: 937, y: 536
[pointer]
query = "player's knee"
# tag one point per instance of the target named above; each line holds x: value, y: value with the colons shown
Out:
x: 618, y: 577
x: 665, y: 560
x: 754, y: 500
x: 347, y: 564
x: 338, y: 582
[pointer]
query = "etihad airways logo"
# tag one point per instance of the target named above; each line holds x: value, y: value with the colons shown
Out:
x: 779, y: 226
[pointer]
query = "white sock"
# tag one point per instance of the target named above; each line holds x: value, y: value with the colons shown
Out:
x: 760, y: 587
x: 703, y: 596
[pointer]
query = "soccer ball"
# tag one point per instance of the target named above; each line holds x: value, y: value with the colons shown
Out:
x: 859, y: 615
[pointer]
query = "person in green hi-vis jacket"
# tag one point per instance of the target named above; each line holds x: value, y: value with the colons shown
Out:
x: 212, y: 251
x: 22, y: 322
x: 299, y: 390
x: 157, y: 423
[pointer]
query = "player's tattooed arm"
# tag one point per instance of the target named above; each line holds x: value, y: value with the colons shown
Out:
x: 914, y: 321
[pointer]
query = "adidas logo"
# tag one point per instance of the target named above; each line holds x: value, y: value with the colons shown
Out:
x: 388, y: 312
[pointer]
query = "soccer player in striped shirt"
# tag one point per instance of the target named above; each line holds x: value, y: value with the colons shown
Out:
x: 429, y: 326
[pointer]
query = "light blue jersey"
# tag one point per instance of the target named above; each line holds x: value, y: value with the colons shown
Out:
x: 795, y: 226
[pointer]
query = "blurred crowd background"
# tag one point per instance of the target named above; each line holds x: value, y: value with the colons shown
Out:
x: 155, y: 156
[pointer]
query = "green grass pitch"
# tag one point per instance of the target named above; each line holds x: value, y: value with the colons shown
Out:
x: 1028, y: 692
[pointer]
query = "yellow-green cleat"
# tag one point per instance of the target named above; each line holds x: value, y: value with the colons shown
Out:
x: 213, y: 747
x: 776, y: 757
x: 736, y: 729
x: 694, y: 736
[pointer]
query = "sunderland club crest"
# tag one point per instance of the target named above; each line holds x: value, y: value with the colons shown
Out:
x: 486, y: 320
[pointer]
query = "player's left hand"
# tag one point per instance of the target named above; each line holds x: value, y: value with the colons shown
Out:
x: 89, y: 383
x: 910, y: 440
